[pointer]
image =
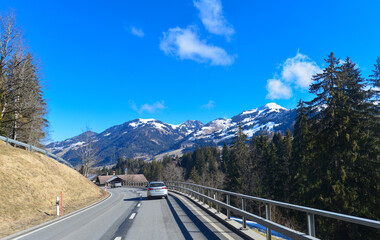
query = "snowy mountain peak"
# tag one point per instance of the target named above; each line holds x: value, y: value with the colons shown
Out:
x: 191, y: 124
x: 272, y: 106
x: 138, y: 122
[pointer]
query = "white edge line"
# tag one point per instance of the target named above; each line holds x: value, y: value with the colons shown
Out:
x: 39, y: 229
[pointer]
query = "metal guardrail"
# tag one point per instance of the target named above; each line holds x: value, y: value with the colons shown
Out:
x: 33, y: 148
x: 213, y: 195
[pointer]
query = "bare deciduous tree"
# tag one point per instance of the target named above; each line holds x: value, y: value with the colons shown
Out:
x: 87, y: 151
x: 10, y: 43
x: 173, y: 173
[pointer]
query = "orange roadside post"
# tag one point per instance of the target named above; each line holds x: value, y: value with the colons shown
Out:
x: 106, y: 189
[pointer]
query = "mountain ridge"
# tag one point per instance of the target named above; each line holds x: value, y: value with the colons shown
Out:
x: 146, y: 138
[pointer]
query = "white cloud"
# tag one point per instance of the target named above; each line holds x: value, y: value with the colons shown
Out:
x: 209, y: 105
x: 150, y: 108
x: 211, y: 14
x: 278, y: 90
x: 137, y: 32
x: 296, y: 72
x: 299, y: 70
x: 186, y: 44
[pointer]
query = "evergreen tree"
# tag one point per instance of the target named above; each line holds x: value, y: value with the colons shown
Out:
x: 302, y: 166
x: 340, y: 117
x: 375, y: 81
x: 225, y: 158
x: 239, y: 164
x: 24, y: 109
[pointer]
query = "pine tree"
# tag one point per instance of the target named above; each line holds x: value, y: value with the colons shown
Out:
x: 238, y: 171
x: 302, y: 165
x: 375, y: 82
x: 225, y: 158
x: 259, y: 154
x: 340, y: 125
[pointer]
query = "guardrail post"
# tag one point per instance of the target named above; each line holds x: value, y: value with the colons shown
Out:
x: 203, y: 193
x: 267, y: 216
x: 310, y: 224
x: 209, y: 195
x: 7, y: 141
x: 217, y: 205
x: 243, y: 207
x: 228, y: 198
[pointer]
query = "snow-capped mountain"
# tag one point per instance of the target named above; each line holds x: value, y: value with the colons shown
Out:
x: 142, y: 138
x: 268, y: 118
x: 145, y: 138
x: 60, y: 148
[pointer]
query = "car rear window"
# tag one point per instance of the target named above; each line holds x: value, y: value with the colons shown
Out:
x: 157, y: 185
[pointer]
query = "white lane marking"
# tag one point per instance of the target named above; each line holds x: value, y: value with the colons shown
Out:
x: 132, y: 216
x: 62, y: 219
x: 138, y: 205
x: 207, y: 219
x: 117, y: 238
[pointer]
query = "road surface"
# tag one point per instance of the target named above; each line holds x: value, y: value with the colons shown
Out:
x: 127, y: 214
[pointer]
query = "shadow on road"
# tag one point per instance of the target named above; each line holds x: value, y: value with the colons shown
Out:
x: 132, y: 199
x: 201, y: 226
x: 141, y: 199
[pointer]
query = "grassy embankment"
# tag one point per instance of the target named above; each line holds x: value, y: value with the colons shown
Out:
x: 30, y: 184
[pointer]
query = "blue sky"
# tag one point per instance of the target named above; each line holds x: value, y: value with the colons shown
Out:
x: 108, y: 62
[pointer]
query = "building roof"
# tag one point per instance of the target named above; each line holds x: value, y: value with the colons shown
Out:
x: 128, y: 178
x: 113, y: 178
x: 91, y: 176
x: 133, y: 178
x: 103, y: 179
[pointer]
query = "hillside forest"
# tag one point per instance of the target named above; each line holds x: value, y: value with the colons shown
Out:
x: 331, y: 161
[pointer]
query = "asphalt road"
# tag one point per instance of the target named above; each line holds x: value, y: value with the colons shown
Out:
x: 127, y: 214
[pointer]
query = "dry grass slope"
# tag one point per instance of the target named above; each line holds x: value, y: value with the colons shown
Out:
x: 30, y: 184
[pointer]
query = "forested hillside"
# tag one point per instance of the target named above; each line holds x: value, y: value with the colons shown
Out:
x: 22, y: 107
x: 330, y: 162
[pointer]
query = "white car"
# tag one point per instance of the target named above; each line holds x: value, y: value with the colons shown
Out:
x: 157, y: 189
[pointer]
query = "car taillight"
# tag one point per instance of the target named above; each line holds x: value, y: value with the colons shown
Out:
x: 164, y: 188
x: 150, y: 189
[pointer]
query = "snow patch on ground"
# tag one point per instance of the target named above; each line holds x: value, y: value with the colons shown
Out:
x: 174, y: 126
x: 249, y: 112
x: 76, y: 144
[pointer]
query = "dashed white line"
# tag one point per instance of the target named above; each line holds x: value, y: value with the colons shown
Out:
x: 132, y: 216
x: 117, y: 238
x: 139, y: 205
